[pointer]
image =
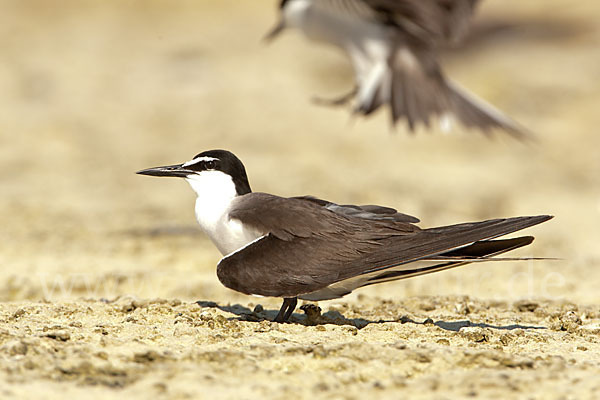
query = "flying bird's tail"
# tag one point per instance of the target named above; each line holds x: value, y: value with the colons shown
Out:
x: 418, y: 92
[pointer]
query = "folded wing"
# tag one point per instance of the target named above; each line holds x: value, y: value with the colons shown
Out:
x: 309, y: 247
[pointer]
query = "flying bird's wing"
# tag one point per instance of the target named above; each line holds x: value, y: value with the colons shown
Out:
x: 415, y: 86
x: 310, y: 248
x: 458, y: 18
x: 433, y: 22
x: 436, y: 22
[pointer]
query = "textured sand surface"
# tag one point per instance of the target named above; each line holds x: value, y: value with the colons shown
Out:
x: 101, y: 269
x: 443, y: 347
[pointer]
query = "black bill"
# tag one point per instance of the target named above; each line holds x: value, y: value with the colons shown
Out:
x: 177, y: 170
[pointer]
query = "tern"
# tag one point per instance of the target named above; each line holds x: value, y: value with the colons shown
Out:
x: 312, y: 249
x: 393, y: 46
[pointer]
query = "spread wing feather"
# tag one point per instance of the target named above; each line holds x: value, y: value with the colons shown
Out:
x: 434, y: 21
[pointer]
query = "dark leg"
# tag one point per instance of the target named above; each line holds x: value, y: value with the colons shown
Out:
x: 291, y: 307
x: 286, y: 310
x: 338, y: 101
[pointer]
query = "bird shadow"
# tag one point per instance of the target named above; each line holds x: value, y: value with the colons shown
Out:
x: 312, y: 316
x: 455, y: 326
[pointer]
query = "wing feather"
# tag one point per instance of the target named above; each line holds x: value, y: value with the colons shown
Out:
x: 310, y: 247
x: 368, y: 211
x: 434, y: 21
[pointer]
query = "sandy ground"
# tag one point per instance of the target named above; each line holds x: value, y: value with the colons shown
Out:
x: 102, y: 269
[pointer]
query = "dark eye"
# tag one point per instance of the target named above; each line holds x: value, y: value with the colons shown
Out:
x: 210, y: 165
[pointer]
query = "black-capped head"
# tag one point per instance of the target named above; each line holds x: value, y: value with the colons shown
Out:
x: 212, y: 170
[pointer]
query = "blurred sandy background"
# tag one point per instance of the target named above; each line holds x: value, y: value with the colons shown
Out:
x: 91, y: 92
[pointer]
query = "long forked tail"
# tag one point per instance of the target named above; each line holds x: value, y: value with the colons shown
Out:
x: 455, y: 245
x: 486, y: 250
x: 433, y: 242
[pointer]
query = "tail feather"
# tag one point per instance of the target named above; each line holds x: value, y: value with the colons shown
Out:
x: 418, y: 91
x: 474, y: 112
x: 433, y: 242
x: 415, y: 90
x: 485, y: 250
x: 476, y: 252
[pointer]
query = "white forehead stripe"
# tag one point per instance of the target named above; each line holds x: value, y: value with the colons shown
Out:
x: 199, y: 159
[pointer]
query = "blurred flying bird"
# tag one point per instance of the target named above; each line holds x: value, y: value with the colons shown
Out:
x: 393, y: 46
x: 313, y: 249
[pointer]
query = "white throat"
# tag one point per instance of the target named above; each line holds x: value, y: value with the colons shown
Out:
x: 216, y: 192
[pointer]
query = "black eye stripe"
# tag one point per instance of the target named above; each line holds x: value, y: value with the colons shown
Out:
x: 203, y: 165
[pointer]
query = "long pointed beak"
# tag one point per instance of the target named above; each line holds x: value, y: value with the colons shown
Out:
x: 273, y: 33
x: 169, y: 170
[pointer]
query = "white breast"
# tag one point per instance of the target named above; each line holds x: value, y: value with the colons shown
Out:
x: 230, y: 234
x: 216, y: 192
